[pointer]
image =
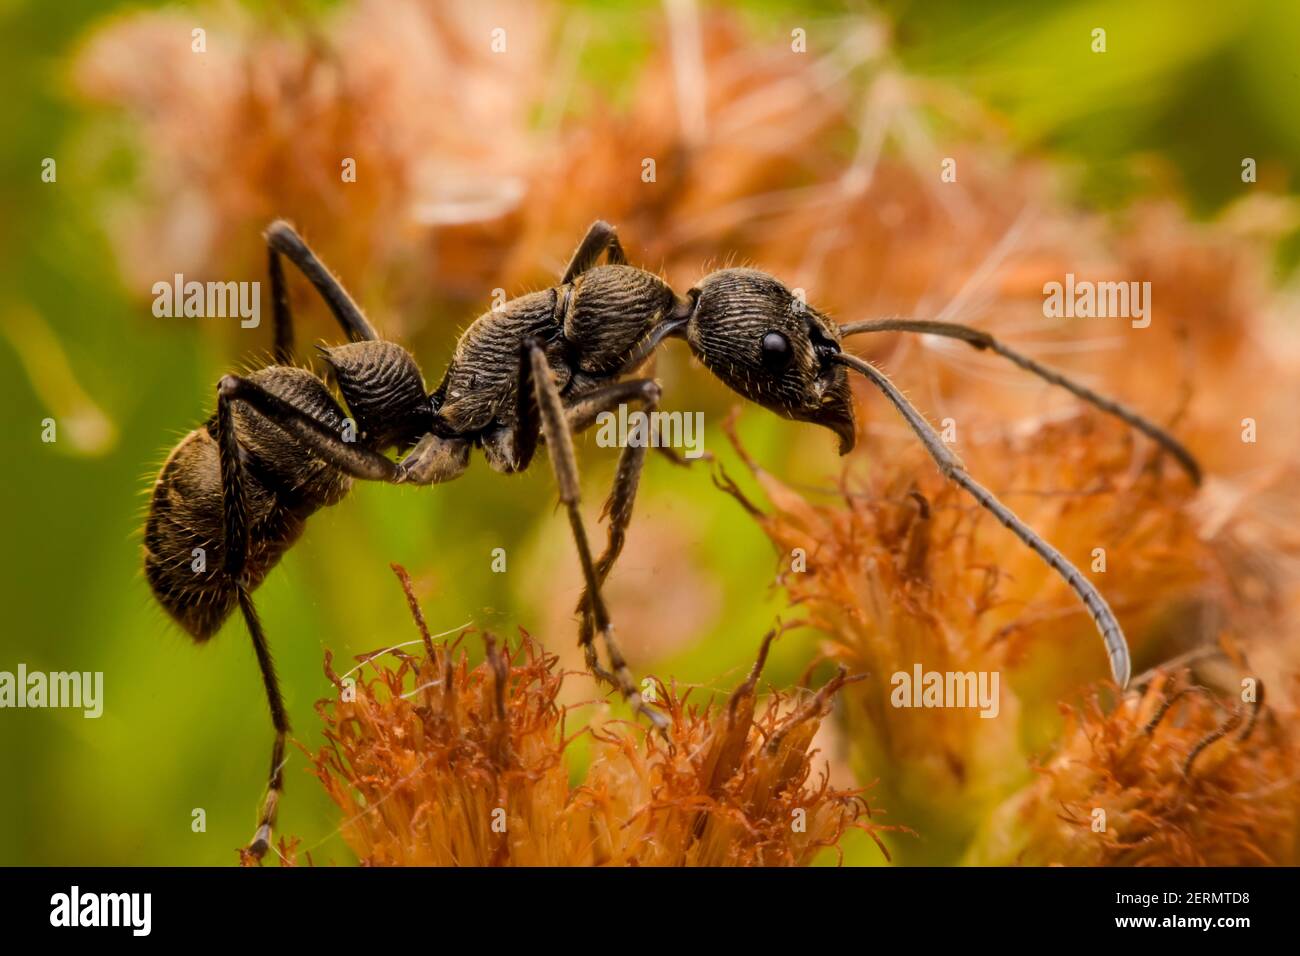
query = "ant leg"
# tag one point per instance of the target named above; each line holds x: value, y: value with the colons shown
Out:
x: 979, y: 339
x: 583, y: 411
x: 318, y: 438
x: 279, y: 719
x: 283, y: 239
x: 600, y: 237
x: 280, y: 312
x: 234, y: 508
x: 559, y: 442
x: 514, y: 450
x: 511, y: 450
x: 582, y: 414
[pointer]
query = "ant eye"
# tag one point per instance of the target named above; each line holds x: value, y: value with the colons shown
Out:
x: 776, y: 352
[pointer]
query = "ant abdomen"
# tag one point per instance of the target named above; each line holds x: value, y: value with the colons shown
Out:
x: 184, y: 555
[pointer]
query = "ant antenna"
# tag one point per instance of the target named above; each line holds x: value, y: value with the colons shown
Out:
x: 979, y: 339
x: 1111, y: 633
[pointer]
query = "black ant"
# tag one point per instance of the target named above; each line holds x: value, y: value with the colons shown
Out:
x: 538, y: 368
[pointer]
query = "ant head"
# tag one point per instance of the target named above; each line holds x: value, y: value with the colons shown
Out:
x: 384, y: 391
x: 769, y: 346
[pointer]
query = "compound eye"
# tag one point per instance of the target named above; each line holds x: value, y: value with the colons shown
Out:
x: 776, y: 352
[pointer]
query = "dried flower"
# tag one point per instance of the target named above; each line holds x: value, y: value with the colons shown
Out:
x: 393, y: 118
x: 793, y: 163
x: 731, y: 786
x: 906, y: 571
x: 1170, y: 777
x: 467, y: 767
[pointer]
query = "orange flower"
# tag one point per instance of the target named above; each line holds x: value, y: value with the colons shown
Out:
x: 1165, y: 779
x: 906, y: 570
x: 434, y: 762
x: 731, y: 786
x: 372, y: 128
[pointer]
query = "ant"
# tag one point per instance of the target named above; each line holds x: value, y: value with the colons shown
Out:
x: 539, y: 368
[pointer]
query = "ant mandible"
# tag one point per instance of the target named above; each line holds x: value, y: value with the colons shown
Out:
x: 542, y: 366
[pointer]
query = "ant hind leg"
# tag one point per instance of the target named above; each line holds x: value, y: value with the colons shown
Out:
x: 235, y: 520
x: 317, y: 438
x: 283, y: 239
x: 280, y: 311
x: 279, y: 719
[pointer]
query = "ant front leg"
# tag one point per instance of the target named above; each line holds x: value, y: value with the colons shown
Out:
x: 554, y: 427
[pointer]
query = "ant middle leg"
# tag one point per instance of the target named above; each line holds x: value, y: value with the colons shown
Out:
x: 512, y: 450
x: 582, y: 414
x: 600, y: 237
x: 554, y: 428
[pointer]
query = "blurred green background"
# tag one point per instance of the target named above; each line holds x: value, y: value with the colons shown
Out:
x: 187, y: 727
